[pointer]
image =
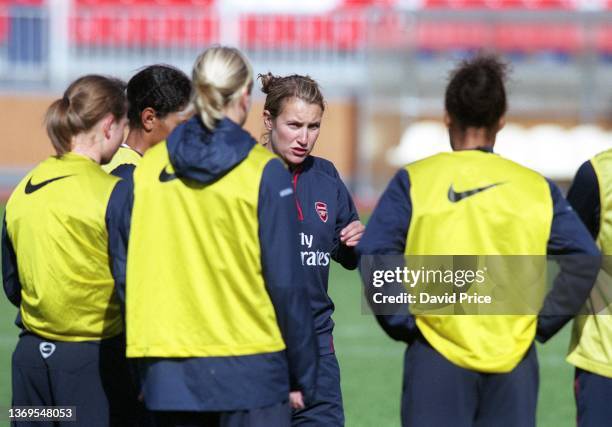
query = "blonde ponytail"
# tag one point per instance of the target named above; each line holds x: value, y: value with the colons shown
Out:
x: 219, y: 76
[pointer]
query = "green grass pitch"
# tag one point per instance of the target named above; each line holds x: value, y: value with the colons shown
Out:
x: 371, y: 363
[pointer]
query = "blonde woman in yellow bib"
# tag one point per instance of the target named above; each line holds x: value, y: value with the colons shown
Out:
x: 218, y: 317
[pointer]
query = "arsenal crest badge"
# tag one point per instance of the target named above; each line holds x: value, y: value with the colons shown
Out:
x: 321, y: 209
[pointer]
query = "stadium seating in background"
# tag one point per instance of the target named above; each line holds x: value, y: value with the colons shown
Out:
x: 305, y: 32
x: 603, y: 40
x: 5, y: 6
x: 4, y: 24
x: 102, y: 23
x: 21, y: 2
x: 348, y: 26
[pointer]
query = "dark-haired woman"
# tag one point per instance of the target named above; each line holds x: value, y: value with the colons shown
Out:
x: 475, y: 370
x: 159, y: 100
x: 55, y: 264
x: 329, y: 227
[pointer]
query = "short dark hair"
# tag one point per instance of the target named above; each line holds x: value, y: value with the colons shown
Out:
x: 161, y: 87
x: 476, y: 94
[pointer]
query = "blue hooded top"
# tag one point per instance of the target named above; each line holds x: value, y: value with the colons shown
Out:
x: 235, y: 382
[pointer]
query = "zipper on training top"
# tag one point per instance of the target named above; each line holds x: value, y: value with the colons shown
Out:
x: 296, y: 174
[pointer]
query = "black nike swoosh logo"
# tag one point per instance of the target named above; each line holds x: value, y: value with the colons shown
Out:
x: 165, y: 176
x: 455, y: 197
x: 30, y: 188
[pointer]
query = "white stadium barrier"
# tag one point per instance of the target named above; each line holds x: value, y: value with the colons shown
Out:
x: 552, y: 150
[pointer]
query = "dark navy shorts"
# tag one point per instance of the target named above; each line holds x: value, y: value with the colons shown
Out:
x: 278, y: 415
x: 326, y: 410
x: 439, y: 393
x: 593, y: 399
x: 93, y: 376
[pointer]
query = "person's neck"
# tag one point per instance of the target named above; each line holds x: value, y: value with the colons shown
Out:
x: 85, y: 144
x: 472, y: 139
x: 235, y: 114
x: 137, y: 141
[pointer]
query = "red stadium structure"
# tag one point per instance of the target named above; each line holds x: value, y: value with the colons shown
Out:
x: 346, y: 27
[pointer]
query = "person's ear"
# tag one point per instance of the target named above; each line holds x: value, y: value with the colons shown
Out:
x: 107, y: 126
x: 245, y: 100
x: 147, y: 118
x: 267, y: 117
x: 447, y: 119
x: 501, y: 123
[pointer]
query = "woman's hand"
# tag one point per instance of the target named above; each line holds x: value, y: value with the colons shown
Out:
x: 351, y: 234
x: 296, y: 400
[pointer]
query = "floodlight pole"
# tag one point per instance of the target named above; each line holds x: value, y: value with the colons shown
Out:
x: 59, y: 44
x: 229, y: 24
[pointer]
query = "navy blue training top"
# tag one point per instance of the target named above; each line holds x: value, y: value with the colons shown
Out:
x: 583, y: 195
x: 324, y: 208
